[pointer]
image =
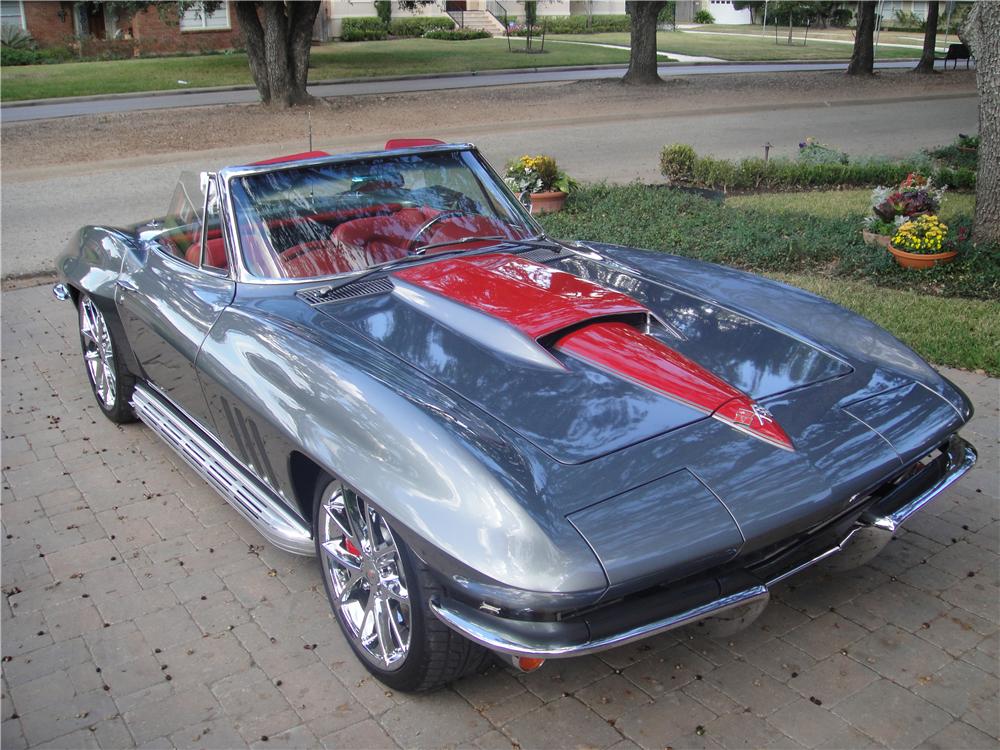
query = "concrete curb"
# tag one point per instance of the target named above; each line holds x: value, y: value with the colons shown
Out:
x: 415, y: 77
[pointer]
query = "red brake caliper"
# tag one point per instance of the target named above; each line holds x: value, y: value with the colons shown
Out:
x: 349, y: 546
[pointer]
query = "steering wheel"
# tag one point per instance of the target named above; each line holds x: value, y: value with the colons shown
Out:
x: 412, y: 247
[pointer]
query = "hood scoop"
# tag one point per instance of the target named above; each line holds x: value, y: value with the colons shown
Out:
x: 535, y: 299
x: 541, y: 316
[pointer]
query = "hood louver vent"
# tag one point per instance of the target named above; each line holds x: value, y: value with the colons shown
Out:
x: 364, y: 288
x: 540, y: 255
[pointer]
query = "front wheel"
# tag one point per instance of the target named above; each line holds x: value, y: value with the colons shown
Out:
x: 111, y: 383
x: 379, y: 591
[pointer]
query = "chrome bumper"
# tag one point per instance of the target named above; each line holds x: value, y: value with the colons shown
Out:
x: 553, y: 640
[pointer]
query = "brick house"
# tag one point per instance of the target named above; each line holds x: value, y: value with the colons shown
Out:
x: 150, y: 31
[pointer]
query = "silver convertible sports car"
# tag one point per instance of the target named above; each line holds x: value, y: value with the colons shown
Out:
x: 493, y: 441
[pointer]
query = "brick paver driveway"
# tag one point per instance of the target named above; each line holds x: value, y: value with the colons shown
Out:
x: 140, y: 610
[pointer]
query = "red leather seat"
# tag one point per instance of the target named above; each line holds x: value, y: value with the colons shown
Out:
x: 357, y: 244
x: 215, y: 252
x: 384, y: 235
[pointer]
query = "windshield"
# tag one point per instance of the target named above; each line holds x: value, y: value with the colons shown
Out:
x: 337, y: 218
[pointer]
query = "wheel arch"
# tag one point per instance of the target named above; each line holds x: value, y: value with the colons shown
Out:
x: 90, y: 264
x: 305, y: 475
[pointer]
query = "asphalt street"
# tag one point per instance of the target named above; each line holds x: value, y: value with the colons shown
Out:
x: 128, y: 103
x: 43, y: 206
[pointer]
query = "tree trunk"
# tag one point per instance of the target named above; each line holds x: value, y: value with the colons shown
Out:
x: 301, y: 18
x: 863, y: 57
x: 982, y: 34
x: 926, y: 64
x: 642, y: 59
x: 253, y: 40
x: 278, y: 37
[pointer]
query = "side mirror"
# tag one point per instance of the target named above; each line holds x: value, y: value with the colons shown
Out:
x: 525, y: 198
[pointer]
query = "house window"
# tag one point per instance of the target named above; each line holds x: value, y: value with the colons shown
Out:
x: 196, y: 19
x: 12, y: 14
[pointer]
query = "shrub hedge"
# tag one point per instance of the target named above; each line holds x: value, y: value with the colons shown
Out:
x: 578, y: 24
x: 372, y: 29
x: 16, y: 56
x: 679, y: 168
x: 419, y: 25
x: 457, y: 35
x: 362, y: 30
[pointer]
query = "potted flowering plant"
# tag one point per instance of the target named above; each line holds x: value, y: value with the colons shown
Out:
x: 921, y: 243
x: 875, y: 231
x: 539, y: 177
x: 894, y: 206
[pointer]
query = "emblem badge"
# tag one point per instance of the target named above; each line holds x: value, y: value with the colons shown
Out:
x: 756, y: 413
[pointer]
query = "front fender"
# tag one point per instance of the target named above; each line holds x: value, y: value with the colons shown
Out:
x: 437, y: 469
x: 91, y: 263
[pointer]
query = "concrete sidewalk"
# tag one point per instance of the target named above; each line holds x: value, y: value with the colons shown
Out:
x: 139, y: 610
x: 52, y: 108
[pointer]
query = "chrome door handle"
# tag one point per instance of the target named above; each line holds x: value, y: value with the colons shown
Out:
x: 127, y: 285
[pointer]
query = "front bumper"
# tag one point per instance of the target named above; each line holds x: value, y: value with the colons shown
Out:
x: 854, y: 539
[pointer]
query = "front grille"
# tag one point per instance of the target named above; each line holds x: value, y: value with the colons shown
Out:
x: 362, y: 288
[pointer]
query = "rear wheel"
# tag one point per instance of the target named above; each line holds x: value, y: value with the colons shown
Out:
x: 379, y: 591
x: 111, y: 383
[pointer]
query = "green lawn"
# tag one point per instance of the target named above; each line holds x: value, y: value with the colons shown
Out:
x: 915, y: 38
x: 949, y: 314
x: 740, y: 48
x: 947, y: 331
x: 335, y: 60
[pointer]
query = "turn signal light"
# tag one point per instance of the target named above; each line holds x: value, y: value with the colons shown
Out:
x: 529, y: 663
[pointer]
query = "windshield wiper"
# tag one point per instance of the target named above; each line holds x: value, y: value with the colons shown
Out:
x: 461, y: 241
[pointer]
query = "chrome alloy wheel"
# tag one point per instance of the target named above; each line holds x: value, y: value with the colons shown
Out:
x: 363, y: 566
x: 98, y: 352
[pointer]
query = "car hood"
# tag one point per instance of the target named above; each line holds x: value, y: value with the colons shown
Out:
x: 582, y: 369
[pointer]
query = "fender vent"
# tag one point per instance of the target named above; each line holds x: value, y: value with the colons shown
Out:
x: 364, y: 288
x: 248, y: 442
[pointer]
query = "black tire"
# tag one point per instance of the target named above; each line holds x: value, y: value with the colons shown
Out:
x: 437, y: 655
x: 100, y: 353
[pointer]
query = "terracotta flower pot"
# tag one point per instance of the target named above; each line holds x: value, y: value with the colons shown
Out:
x: 547, y: 203
x: 875, y: 240
x: 921, y: 260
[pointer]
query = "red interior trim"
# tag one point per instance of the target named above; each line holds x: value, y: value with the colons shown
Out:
x: 337, y: 216
x: 397, y: 143
x: 291, y: 157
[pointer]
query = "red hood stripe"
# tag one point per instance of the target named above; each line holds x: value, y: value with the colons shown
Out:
x: 533, y: 298
x: 540, y: 301
x: 621, y: 349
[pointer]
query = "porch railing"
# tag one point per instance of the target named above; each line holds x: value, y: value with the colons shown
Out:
x: 498, y: 11
x: 456, y: 11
